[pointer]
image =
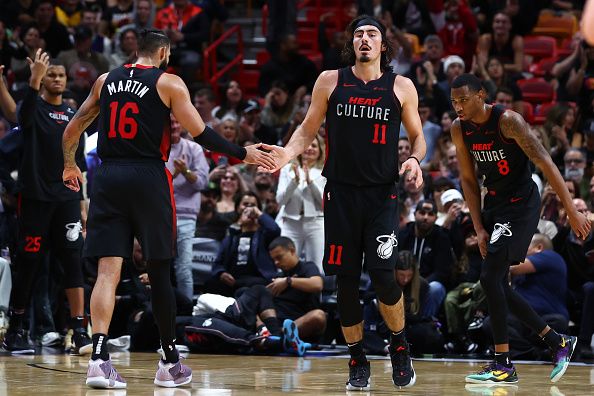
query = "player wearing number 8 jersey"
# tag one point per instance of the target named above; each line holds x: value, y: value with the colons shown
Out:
x: 363, y: 105
x: 500, y: 143
x: 132, y: 193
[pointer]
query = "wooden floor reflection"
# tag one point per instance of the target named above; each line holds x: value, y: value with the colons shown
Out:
x: 249, y: 375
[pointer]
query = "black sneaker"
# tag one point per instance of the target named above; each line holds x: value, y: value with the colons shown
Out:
x: 81, y: 342
x: 17, y: 343
x: 359, y: 374
x: 403, y: 373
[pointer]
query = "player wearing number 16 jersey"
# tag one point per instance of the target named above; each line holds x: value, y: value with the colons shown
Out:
x: 363, y: 105
x: 132, y: 193
x: 501, y: 145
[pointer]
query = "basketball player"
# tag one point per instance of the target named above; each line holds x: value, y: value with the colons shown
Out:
x: 499, y: 142
x: 132, y: 192
x: 49, y: 214
x: 364, y: 105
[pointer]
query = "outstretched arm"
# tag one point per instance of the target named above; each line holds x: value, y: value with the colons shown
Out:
x: 7, y: 104
x: 514, y: 127
x: 175, y: 95
x: 306, y: 132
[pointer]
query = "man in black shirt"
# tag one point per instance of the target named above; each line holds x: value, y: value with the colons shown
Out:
x: 297, y: 290
x: 49, y: 214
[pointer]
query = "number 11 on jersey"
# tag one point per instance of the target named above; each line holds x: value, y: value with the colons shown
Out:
x: 376, y: 129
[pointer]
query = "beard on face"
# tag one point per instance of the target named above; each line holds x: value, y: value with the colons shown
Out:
x: 364, y: 59
x: 163, y: 65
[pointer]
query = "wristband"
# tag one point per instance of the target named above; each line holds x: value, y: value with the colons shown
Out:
x: 415, y: 158
x: 215, y: 142
x: 289, y: 281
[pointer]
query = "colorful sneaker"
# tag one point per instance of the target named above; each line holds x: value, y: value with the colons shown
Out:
x: 359, y: 374
x: 291, y: 341
x: 171, y: 375
x: 102, y: 375
x: 81, y: 342
x: 403, y: 373
x: 17, y: 343
x: 494, y: 373
x: 562, y: 356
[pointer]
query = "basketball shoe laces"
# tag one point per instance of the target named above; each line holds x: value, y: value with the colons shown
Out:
x: 400, y: 359
x: 487, y: 368
x: 358, y: 371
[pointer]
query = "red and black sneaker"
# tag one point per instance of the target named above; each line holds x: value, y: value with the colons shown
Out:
x: 403, y: 373
x: 359, y: 374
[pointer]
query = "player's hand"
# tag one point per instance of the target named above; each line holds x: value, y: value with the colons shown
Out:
x: 72, y: 178
x: 580, y: 225
x: 483, y: 239
x: 227, y: 279
x: 38, y: 65
x: 411, y: 165
x: 280, y: 156
x: 256, y: 156
x: 277, y: 286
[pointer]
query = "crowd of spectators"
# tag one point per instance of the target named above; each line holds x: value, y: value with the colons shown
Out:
x: 240, y: 213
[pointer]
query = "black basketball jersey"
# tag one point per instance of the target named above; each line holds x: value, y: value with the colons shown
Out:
x: 362, y: 127
x: 505, y: 166
x: 134, y: 122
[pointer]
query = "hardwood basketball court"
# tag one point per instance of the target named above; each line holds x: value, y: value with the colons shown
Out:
x: 264, y: 375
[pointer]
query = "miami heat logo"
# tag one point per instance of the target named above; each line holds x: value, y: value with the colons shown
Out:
x: 73, y: 231
x: 386, y: 247
x: 499, y: 230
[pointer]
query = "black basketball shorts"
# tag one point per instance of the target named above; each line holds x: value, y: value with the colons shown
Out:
x: 43, y: 225
x: 511, y: 219
x: 360, y: 222
x: 131, y: 199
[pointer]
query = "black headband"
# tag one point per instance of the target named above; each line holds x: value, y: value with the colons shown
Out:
x: 372, y: 22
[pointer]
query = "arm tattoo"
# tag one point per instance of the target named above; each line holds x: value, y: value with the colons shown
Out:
x: 514, y: 127
x: 81, y: 120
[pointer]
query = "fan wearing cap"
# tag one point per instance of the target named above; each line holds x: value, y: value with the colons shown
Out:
x: 82, y: 52
x: 363, y: 105
x: 431, y: 246
x: 251, y: 127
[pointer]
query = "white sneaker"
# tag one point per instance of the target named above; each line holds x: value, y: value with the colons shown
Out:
x: 51, y: 339
x: 119, y: 344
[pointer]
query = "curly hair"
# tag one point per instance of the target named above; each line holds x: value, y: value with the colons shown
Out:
x: 348, y: 52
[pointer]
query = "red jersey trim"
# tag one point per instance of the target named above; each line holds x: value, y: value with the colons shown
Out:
x: 138, y: 66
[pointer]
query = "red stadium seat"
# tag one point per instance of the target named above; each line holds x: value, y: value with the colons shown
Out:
x: 536, y: 90
x: 528, y: 112
x: 543, y: 67
x: 540, y: 47
x: 262, y: 57
x: 307, y: 38
x: 248, y: 81
x: 540, y: 115
x: 559, y: 26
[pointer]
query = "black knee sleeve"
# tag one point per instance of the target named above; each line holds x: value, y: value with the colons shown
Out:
x: 349, y: 307
x: 493, y: 273
x: 72, y: 265
x: 384, y: 284
x: 162, y: 298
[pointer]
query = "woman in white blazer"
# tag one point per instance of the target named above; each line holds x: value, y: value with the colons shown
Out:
x: 299, y: 192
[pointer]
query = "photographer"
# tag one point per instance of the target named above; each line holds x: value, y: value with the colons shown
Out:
x: 243, y: 258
